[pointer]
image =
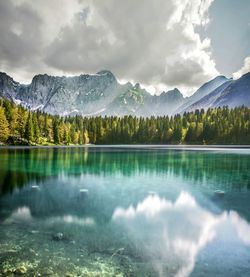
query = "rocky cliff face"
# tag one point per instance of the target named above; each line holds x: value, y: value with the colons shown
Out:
x: 96, y: 94
x: 69, y: 95
x: 8, y: 87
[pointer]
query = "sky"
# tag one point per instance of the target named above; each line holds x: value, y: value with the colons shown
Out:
x: 161, y: 44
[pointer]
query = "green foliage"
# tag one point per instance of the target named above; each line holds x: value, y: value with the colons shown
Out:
x: 214, y: 126
x: 56, y: 131
x: 29, y: 129
x: 4, y: 126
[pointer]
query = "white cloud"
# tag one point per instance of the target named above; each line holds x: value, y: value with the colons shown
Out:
x: 151, y: 42
x: 245, y: 69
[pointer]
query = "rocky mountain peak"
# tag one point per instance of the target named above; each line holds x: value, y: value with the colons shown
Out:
x: 101, y: 94
x: 106, y: 73
x: 6, y: 79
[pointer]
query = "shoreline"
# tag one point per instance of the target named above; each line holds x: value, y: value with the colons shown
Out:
x: 133, y: 146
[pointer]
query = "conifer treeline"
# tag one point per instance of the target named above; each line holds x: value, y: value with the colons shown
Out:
x: 215, y: 126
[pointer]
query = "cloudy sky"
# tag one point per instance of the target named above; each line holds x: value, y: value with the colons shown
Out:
x: 161, y: 44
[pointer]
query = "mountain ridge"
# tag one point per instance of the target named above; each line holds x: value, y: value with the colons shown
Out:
x: 232, y: 93
x: 85, y: 94
x: 202, y: 91
x: 102, y: 94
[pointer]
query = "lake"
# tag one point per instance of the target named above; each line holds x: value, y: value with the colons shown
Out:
x: 125, y: 211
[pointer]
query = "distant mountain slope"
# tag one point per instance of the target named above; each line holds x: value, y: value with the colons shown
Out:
x: 208, y: 100
x: 236, y: 94
x: 204, y: 90
x: 137, y: 101
x: 232, y: 93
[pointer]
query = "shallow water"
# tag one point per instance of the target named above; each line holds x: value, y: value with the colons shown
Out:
x: 146, y: 211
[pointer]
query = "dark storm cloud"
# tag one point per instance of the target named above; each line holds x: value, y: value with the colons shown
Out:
x: 20, y: 29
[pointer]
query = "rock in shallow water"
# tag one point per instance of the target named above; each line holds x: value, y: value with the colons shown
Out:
x: 35, y: 187
x: 48, y: 272
x: 58, y: 236
x: 21, y: 270
x: 84, y: 190
x: 219, y: 193
x: 7, y: 272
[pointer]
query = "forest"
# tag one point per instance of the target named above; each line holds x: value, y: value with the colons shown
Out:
x: 19, y: 126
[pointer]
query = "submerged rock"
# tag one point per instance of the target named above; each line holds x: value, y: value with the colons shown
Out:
x: 21, y: 270
x: 83, y: 191
x: 35, y: 187
x: 7, y: 271
x: 57, y: 236
x: 48, y: 272
x: 34, y: 231
x: 219, y: 193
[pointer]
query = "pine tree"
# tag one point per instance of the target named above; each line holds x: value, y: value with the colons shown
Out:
x: 56, y: 137
x: 219, y: 125
x: 29, y: 129
x: 36, y: 128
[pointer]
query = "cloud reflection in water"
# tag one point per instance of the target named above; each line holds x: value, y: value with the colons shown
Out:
x: 171, y: 234
x: 69, y: 219
x: 21, y: 214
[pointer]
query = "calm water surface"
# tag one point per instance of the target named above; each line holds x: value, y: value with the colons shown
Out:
x: 125, y: 212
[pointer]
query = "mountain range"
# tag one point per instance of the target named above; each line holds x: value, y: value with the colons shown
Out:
x: 102, y: 94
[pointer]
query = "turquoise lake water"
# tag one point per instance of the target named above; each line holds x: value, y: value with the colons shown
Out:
x: 121, y: 211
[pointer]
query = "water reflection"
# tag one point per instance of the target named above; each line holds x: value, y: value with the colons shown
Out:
x: 20, y: 166
x: 20, y: 215
x: 125, y: 212
x: 69, y: 219
x: 171, y: 234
